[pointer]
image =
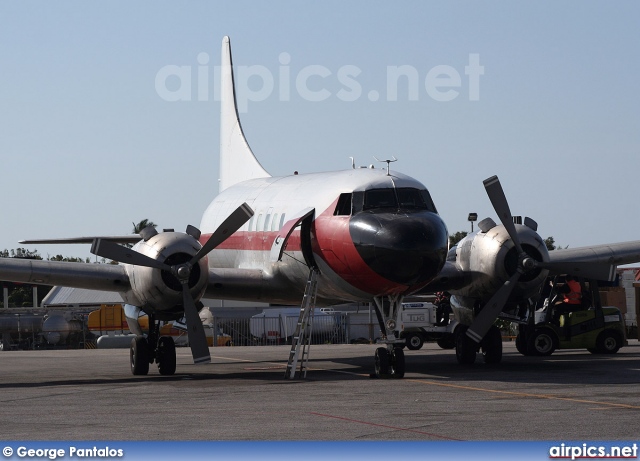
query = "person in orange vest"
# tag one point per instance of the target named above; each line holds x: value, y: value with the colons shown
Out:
x: 572, y: 292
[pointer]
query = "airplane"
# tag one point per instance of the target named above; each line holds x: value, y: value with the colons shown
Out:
x: 367, y: 234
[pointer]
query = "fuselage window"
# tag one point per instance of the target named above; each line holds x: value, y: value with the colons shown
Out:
x: 259, y: 223
x: 267, y: 222
x: 274, y: 223
x: 251, y: 224
x: 281, y: 221
x: 343, y: 208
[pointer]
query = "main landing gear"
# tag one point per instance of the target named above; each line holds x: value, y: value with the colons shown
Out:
x: 154, y: 348
x: 389, y: 360
x: 467, y: 348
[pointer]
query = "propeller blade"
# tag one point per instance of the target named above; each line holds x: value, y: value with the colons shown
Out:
x: 499, y: 201
x: 596, y: 271
x: 110, y: 250
x: 195, y: 330
x: 492, y: 309
x: 234, y: 222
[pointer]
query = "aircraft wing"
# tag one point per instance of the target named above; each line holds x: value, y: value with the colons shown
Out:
x: 132, y: 238
x: 614, y: 253
x: 451, y: 277
x: 105, y: 277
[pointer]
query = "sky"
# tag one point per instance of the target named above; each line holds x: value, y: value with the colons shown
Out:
x: 109, y: 112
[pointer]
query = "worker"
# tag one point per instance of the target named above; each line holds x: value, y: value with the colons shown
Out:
x: 572, y: 292
x: 443, y: 308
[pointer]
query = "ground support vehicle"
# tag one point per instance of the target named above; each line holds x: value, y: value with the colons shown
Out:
x: 600, y: 330
x: 419, y: 324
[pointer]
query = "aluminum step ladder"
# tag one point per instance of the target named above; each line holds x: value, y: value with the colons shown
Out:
x: 301, y: 340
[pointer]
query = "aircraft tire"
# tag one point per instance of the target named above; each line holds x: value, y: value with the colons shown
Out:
x: 414, y: 341
x: 521, y: 345
x: 139, y: 355
x: 466, y: 348
x: 397, y: 363
x: 608, y: 342
x: 166, y: 356
x: 542, y: 342
x: 382, y: 362
x: 447, y: 342
x: 492, y: 346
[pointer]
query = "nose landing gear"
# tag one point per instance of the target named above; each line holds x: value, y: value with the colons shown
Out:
x: 389, y: 360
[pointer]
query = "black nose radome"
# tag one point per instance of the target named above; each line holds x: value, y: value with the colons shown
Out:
x: 404, y: 247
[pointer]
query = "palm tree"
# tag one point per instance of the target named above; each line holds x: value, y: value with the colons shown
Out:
x: 141, y: 225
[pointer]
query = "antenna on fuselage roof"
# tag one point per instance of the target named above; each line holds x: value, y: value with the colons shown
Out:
x: 353, y: 163
x: 388, y: 162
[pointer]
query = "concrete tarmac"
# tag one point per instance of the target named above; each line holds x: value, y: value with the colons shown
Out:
x: 91, y: 395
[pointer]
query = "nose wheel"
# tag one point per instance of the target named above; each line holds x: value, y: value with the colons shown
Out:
x: 389, y: 362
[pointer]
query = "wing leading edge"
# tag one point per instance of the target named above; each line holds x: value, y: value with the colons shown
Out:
x: 104, y: 277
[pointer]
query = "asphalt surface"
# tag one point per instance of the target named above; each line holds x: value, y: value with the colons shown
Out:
x: 91, y: 395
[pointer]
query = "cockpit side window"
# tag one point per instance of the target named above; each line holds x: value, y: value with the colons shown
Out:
x: 426, y: 196
x: 343, y: 208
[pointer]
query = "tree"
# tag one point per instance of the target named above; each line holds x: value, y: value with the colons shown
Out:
x: 137, y: 228
x: 455, y: 238
x: 71, y: 259
x: 551, y: 244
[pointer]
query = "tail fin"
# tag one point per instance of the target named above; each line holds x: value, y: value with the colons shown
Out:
x: 237, y: 162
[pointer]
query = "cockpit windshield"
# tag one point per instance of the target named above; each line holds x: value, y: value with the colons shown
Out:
x: 407, y: 198
x: 402, y: 197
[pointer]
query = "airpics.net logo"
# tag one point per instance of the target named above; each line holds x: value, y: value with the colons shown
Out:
x: 317, y: 83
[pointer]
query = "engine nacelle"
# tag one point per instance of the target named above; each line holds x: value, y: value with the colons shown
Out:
x: 490, y: 258
x: 159, y: 292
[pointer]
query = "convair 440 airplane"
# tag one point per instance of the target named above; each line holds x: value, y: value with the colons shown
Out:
x: 365, y: 235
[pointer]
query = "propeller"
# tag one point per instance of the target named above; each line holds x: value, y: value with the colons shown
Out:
x: 195, y: 330
x: 490, y: 311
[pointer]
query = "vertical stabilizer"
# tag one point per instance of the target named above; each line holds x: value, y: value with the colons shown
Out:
x: 237, y: 162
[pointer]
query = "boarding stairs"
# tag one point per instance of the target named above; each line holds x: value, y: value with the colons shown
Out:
x: 301, y: 340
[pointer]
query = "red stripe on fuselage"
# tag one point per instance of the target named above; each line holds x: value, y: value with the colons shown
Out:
x: 331, y: 241
x: 255, y: 241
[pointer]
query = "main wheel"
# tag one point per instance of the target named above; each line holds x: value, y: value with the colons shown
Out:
x: 414, y: 341
x: 382, y: 362
x: 166, y: 356
x: 492, y: 345
x: 447, y: 342
x: 397, y: 363
x: 139, y: 354
x: 521, y: 344
x: 608, y: 342
x: 466, y: 348
x: 542, y: 342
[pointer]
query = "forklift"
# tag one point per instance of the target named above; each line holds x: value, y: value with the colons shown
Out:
x: 552, y: 324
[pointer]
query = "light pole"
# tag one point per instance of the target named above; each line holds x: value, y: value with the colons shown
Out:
x: 472, y: 218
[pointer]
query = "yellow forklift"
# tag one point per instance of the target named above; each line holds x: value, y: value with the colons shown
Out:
x: 556, y: 325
